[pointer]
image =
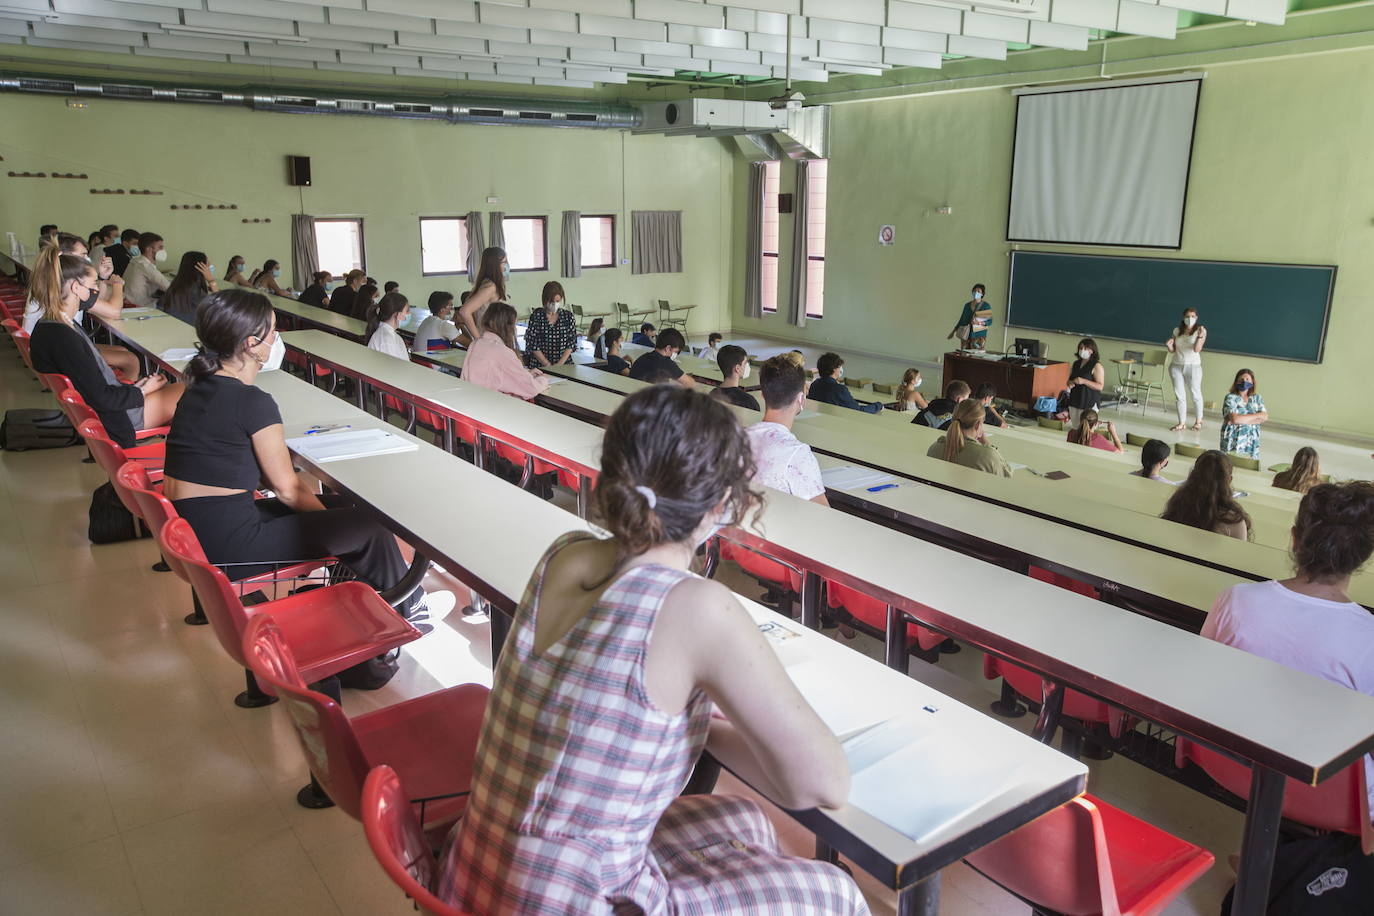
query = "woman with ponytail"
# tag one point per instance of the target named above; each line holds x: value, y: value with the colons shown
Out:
x: 1205, y: 501
x: 493, y: 272
x: 965, y: 443
x: 602, y: 701
x: 227, y: 439
x: 1085, y: 432
x: 1308, y: 622
x: 382, y: 321
x: 61, y: 283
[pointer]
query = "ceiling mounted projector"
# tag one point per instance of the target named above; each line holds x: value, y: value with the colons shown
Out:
x: 790, y: 100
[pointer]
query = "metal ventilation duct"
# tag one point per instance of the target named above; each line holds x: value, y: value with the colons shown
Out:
x: 520, y: 111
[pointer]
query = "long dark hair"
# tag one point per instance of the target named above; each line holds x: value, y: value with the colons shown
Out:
x: 499, y: 318
x: 188, y: 287
x: 386, y: 308
x: 229, y: 268
x: 1334, y: 532
x: 224, y: 323
x: 1254, y: 386
x: 1204, y: 500
x: 362, y: 300
x: 688, y: 451
x: 489, y: 268
x: 1091, y: 345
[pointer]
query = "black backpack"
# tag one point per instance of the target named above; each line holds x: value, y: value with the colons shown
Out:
x: 30, y: 427
x: 1325, y: 875
x: 110, y: 522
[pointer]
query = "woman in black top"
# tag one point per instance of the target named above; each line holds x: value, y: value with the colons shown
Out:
x: 227, y: 439
x: 1086, y: 379
x: 60, y: 283
x: 551, y: 333
x: 614, y: 361
x: 362, y: 301
x: 194, y: 281
x: 317, y: 293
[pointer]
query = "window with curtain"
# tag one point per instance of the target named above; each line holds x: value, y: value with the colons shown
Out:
x: 443, y: 245
x: 815, y: 242
x: 527, y: 242
x: 340, y: 244
x: 598, y: 241
x: 768, y: 273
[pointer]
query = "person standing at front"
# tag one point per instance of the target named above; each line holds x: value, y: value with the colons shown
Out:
x: 1185, y: 368
x: 974, y: 321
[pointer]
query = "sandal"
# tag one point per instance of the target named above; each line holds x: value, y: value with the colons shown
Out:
x: 1176, y: 429
x: 1197, y: 426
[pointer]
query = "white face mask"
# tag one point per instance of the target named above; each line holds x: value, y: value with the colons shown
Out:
x: 917, y: 383
x: 1190, y: 320
x: 275, y: 355
x: 1085, y: 354
x: 977, y: 294
x: 161, y: 255
x: 747, y: 370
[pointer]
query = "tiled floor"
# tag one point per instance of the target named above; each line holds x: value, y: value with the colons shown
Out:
x: 130, y: 783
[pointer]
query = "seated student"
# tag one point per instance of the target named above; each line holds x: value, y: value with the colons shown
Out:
x: 1204, y: 500
x: 908, y: 397
x: 391, y: 286
x: 662, y: 360
x: 594, y: 332
x: 645, y: 336
x: 266, y: 279
x: 712, y: 348
x: 60, y: 283
x: 235, y: 274
x: 120, y: 255
x: 964, y: 442
x: 984, y: 395
x: 797, y: 357
x: 106, y: 235
x: 143, y: 281
x: 194, y: 281
x: 601, y: 703
x: 828, y: 389
x: 941, y: 410
x: 492, y: 362
x: 341, y: 299
x: 783, y: 461
x: 438, y: 329
x: 389, y: 313
x: 734, y: 366
x: 1154, y: 457
x: 1304, y: 474
x: 108, y: 303
x: 363, y: 300
x: 226, y: 439
x: 614, y: 362
x: 1308, y: 622
x: 317, y: 293
x: 47, y: 234
x: 1086, y: 433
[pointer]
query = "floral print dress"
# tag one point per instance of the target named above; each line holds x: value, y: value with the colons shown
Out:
x: 1237, y: 439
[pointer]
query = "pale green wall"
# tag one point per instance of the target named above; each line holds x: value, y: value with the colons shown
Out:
x: 1281, y: 172
x: 388, y: 171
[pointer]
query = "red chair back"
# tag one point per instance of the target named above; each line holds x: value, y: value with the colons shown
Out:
x: 110, y: 457
x: 761, y: 567
x: 73, y: 404
x: 1341, y: 803
x: 57, y: 383
x: 873, y: 612
x: 393, y: 831
x: 218, y: 599
x: 154, y: 508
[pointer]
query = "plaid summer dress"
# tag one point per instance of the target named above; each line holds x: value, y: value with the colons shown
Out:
x: 575, y: 805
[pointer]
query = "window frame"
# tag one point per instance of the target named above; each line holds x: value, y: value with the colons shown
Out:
x: 462, y: 220
x: 544, y: 223
x: 362, y: 237
x: 615, y: 253
x: 776, y: 255
x: 825, y: 214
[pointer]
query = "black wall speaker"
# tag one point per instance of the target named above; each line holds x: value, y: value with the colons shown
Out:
x: 784, y: 202
x: 298, y: 171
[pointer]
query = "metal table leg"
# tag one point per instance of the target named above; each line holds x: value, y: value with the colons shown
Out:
x: 921, y: 900
x: 448, y: 436
x: 500, y: 626
x: 811, y: 600
x: 896, y: 656
x: 1262, y: 817
x: 584, y: 496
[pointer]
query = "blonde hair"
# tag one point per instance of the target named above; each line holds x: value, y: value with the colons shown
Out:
x: 1083, y: 434
x: 1305, y: 473
x: 967, y: 415
x: 797, y: 357
x: 53, y: 270
x: 908, y: 385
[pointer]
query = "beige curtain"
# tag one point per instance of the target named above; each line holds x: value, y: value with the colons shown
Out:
x: 571, y: 243
x: 796, y: 299
x: 305, y: 255
x: 753, y: 243
x: 497, y: 220
x: 656, y: 241
x: 473, y: 223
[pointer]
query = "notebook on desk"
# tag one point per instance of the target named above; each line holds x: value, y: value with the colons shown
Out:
x: 352, y: 443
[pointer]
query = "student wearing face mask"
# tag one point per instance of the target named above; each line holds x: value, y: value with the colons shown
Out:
x: 908, y: 394
x: 266, y: 279
x: 436, y: 332
x: 227, y: 438
x: 383, y: 319
x: 614, y: 361
x: 734, y: 368
x: 974, y: 321
x: 194, y: 281
x: 317, y: 293
x: 782, y: 461
x: 105, y: 302
x: 106, y: 236
x: 235, y: 275
x: 551, y: 333
x: 120, y: 255
x: 829, y: 387
x: 660, y: 363
x: 1185, y: 368
x: 493, y: 272
x: 1242, y: 413
x: 341, y: 298
x: 144, y: 281
x: 1086, y: 379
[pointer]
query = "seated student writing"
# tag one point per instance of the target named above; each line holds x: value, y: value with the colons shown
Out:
x: 965, y: 444
x: 226, y: 440
x: 437, y: 331
x: 341, y: 299
x: 941, y: 410
x: 602, y: 701
x: 317, y: 293
x: 1304, y: 473
x: 492, y: 361
x: 383, y: 320
x: 1308, y: 622
x: 908, y: 393
x: 712, y: 348
x: 107, y: 303
x: 614, y: 362
x: 1086, y: 433
x: 829, y: 389
x: 984, y: 395
x: 783, y: 461
x: 660, y: 363
x: 1154, y: 458
x: 61, y: 283
x: 734, y: 366
x: 1205, y: 501
x: 645, y: 336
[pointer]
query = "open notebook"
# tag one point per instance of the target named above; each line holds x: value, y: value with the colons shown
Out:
x: 351, y: 443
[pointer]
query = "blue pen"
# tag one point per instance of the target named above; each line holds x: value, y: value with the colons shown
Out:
x: 886, y: 486
x: 326, y: 429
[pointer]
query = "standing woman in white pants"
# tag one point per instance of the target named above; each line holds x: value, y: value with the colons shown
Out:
x: 1185, y: 369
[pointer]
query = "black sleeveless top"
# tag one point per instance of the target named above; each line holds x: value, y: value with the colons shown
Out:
x: 1081, y: 396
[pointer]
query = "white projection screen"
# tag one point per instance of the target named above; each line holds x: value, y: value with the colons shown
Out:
x: 1106, y: 165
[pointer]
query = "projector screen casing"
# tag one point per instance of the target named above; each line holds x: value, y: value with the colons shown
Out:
x: 1103, y: 165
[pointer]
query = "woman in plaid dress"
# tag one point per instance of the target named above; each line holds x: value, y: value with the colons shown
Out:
x: 602, y: 702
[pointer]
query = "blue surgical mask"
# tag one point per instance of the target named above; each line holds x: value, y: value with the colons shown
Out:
x: 505, y: 271
x: 1246, y: 385
x: 277, y: 272
x: 133, y: 251
x: 977, y: 294
x: 212, y: 268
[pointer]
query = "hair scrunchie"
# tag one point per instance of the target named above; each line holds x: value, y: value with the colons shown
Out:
x: 649, y: 495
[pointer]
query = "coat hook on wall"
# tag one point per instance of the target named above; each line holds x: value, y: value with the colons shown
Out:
x: 28, y: 174
x: 83, y: 176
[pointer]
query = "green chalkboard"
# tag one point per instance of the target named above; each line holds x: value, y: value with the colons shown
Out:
x: 1271, y: 310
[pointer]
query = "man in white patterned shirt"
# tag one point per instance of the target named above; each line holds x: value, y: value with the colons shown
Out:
x: 784, y: 462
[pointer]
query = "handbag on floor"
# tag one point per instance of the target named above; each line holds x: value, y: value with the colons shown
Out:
x: 1324, y: 875
x: 31, y: 427
x: 110, y: 522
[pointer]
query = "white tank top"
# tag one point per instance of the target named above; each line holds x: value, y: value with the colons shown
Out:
x: 1184, y: 354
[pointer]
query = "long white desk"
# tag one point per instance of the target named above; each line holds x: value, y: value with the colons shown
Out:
x: 292, y: 314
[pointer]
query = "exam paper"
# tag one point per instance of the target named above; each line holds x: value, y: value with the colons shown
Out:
x: 177, y: 354
x: 849, y: 477
x: 848, y: 698
x: 353, y: 443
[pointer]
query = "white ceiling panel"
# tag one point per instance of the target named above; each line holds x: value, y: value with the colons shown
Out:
x: 37, y: 6
x: 181, y: 55
x: 454, y: 10
x: 505, y: 69
x: 57, y: 32
x: 710, y: 38
x: 597, y: 76
x: 865, y: 11
x: 777, y: 44
x: 666, y: 48
x: 477, y: 30
x: 379, y: 58
x: 566, y: 84
x: 1003, y: 28
x: 14, y: 28
x: 568, y: 39
x: 354, y: 68
x: 516, y: 17
x: 103, y: 22
x: 739, y: 69
x: 1209, y: 7
x: 618, y: 27
x: 364, y: 19
x: 518, y: 49
x: 901, y: 57
x: 271, y: 62
x: 618, y: 58
x: 911, y: 40
x: 77, y: 45
x: 304, y: 52
x: 676, y: 63
x: 189, y: 43
x: 147, y: 12
x: 844, y: 31
x: 1056, y: 35
x: 848, y: 51
x: 682, y: 12
x: 337, y: 44
x: 622, y: 8
x: 741, y: 20
x: 803, y: 74
x: 452, y: 43
x: 766, y: 6
x: 1147, y: 19
x: 1094, y: 14
x: 735, y: 54
x: 235, y: 23
x: 977, y: 47
x: 1269, y: 11
x: 517, y: 80
x: 268, y: 9
x: 923, y: 18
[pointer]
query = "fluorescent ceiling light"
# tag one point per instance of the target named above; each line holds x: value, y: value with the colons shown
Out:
x: 237, y: 33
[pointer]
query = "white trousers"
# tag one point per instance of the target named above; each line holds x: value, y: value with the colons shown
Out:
x: 1187, y: 380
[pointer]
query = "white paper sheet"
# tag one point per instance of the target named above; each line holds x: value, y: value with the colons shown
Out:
x: 849, y: 477
x: 177, y: 354
x: 817, y: 680
x: 353, y: 443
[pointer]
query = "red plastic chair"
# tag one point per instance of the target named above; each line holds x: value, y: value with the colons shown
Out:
x: 399, y: 844
x: 1087, y: 858
x: 430, y: 740
x: 769, y: 573
x: 1340, y: 804
x: 873, y: 613
x: 332, y: 628
x: 78, y: 411
x: 111, y: 456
